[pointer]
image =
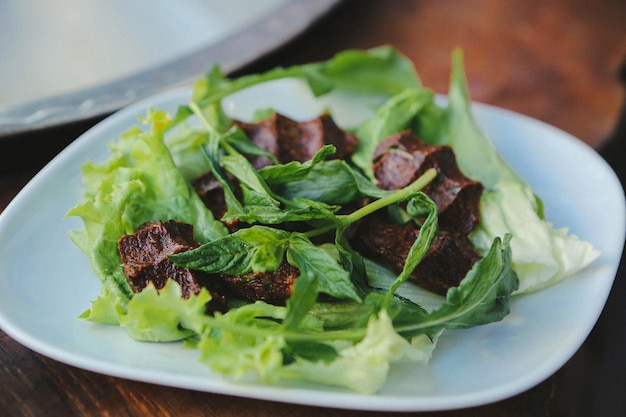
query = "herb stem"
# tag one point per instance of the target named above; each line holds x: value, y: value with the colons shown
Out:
x: 396, y: 197
x: 354, y: 334
x: 198, y: 112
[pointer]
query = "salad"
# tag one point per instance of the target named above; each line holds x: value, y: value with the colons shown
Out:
x: 347, y: 317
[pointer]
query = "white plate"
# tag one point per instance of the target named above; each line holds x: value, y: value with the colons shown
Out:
x: 46, y: 282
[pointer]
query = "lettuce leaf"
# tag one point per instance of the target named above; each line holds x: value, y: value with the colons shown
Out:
x: 147, y: 178
x: 363, y: 367
x: 139, y: 182
x: 542, y: 255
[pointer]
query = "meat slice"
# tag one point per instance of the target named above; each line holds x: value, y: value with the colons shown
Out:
x: 145, y: 254
x: 402, y: 158
x: 290, y: 140
x: 444, y: 265
x: 272, y: 287
x: 211, y: 193
x: 145, y: 260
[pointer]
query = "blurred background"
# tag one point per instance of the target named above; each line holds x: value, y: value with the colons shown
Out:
x: 67, y: 64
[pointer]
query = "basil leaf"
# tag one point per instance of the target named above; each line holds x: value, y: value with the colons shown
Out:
x: 305, y: 290
x: 240, y: 142
x: 419, y: 205
x: 230, y: 255
x: 243, y: 170
x: 261, y: 205
x: 308, y: 258
x: 258, y: 249
x: 309, y: 350
x: 280, y: 174
x: 269, y: 247
x: 332, y: 182
x: 214, y: 155
x: 259, y: 208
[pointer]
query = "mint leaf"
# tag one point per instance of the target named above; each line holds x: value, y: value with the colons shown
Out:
x: 269, y: 247
x: 310, y: 259
x: 280, y: 174
x: 230, y: 255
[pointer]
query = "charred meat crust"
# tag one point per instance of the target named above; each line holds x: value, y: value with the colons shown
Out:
x: 145, y: 260
x: 445, y: 264
x: 211, y: 193
x: 286, y: 139
x: 272, y: 287
x: 290, y: 140
x: 399, y: 160
x: 402, y: 158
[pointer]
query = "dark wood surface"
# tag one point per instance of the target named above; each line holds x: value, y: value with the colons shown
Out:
x: 558, y: 61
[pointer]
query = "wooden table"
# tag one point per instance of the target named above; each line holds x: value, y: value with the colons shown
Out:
x: 557, y: 61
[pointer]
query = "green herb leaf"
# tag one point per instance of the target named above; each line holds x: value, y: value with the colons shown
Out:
x: 269, y: 246
x: 238, y: 140
x: 308, y: 258
x: 310, y: 351
x: 379, y: 70
x: 281, y: 174
x: 258, y: 249
x: 418, y: 206
x: 397, y: 114
x: 482, y: 297
x: 230, y: 255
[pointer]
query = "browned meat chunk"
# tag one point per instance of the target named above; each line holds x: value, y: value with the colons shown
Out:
x: 210, y: 191
x: 272, y: 287
x: 445, y: 264
x: 145, y: 259
x: 402, y: 158
x: 286, y: 139
x: 212, y: 194
x: 290, y: 140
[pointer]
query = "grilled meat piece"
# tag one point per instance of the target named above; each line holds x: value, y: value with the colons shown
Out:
x: 145, y: 259
x: 286, y: 139
x: 444, y: 265
x: 272, y: 287
x: 401, y: 158
x: 145, y: 254
x: 212, y: 195
x: 210, y: 191
x: 290, y: 140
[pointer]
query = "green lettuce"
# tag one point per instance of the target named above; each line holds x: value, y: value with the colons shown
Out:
x: 138, y: 183
x: 542, y: 255
x: 363, y: 367
x: 353, y: 339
